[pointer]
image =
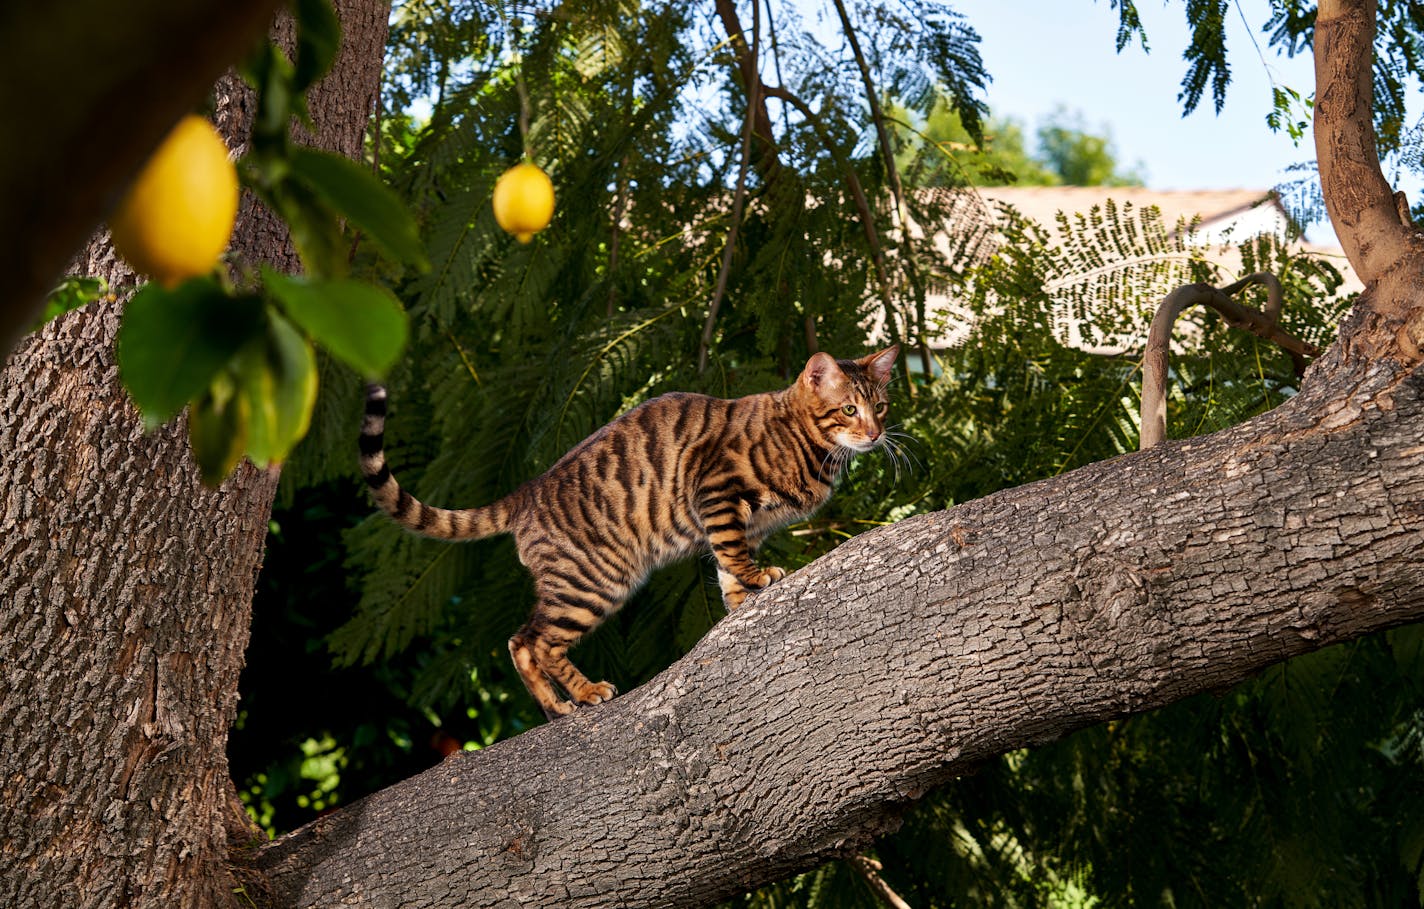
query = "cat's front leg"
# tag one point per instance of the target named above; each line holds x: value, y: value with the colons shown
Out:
x: 726, y: 525
x: 734, y: 592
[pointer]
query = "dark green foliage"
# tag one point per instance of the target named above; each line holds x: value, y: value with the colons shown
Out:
x: 1129, y: 23
x: 1205, y: 55
x: 310, y: 737
x: 1300, y: 788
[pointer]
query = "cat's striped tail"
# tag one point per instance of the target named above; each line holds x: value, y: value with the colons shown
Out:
x: 441, y: 523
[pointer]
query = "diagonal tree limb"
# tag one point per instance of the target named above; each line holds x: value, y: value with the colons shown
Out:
x: 869, y: 870
x: 804, y: 724
x: 1155, y: 361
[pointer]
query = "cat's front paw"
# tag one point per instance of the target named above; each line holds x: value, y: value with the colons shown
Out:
x: 557, y: 708
x: 596, y: 693
x: 766, y: 577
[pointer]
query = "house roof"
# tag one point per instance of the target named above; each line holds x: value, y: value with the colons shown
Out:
x: 1218, y: 215
x: 1043, y: 203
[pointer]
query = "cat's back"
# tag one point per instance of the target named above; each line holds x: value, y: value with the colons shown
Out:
x: 631, y: 485
x: 655, y: 434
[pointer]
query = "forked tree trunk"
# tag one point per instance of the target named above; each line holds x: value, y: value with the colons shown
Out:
x: 126, y: 589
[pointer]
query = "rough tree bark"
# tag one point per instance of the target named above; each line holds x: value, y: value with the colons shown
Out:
x: 802, y: 725
x: 125, y: 589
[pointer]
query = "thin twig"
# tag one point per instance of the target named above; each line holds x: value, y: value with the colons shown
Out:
x: 869, y: 869
x: 1159, y: 337
x: 738, y: 197
x: 808, y: 320
x: 620, y: 202
x: 898, y: 210
x: 511, y: 27
x: 862, y: 205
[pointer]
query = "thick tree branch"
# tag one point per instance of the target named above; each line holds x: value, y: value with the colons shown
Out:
x: 1159, y: 339
x: 97, y: 100
x: 803, y: 724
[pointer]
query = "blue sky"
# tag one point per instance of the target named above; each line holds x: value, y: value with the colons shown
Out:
x: 1054, y: 53
x: 1045, y: 54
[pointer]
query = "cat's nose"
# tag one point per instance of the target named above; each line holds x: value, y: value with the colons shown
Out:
x: 874, y: 434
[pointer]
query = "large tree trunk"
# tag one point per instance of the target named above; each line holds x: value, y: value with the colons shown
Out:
x: 803, y: 724
x: 125, y: 590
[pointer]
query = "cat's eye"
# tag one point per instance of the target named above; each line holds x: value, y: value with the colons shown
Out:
x: 848, y: 410
x: 880, y: 408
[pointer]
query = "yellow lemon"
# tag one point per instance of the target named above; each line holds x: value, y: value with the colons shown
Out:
x: 523, y: 201
x: 178, y: 215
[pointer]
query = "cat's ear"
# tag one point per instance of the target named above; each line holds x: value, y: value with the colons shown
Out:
x: 822, y: 375
x: 879, y: 365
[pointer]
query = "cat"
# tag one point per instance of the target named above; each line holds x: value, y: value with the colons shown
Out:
x: 676, y: 475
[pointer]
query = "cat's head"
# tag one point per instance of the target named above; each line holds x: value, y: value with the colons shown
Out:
x: 847, y: 399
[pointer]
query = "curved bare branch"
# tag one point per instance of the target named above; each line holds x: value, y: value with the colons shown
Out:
x: 739, y: 196
x: 1159, y: 338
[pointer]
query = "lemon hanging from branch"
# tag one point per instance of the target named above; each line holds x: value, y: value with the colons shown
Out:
x: 178, y: 215
x: 523, y: 200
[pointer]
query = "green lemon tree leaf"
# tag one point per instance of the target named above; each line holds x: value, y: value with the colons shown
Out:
x: 359, y: 324
x: 72, y: 293
x: 217, y: 429
x: 172, y: 343
x: 363, y: 200
x: 277, y: 377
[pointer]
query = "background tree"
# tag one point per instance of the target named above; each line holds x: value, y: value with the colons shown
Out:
x: 940, y: 152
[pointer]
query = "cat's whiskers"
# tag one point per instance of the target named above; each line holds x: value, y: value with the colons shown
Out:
x: 892, y: 451
x: 897, y: 451
x: 837, y: 457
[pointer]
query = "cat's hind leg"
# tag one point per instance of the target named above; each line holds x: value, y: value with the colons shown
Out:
x: 540, y: 651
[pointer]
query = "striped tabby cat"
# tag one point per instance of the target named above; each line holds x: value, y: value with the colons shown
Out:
x: 677, y: 475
